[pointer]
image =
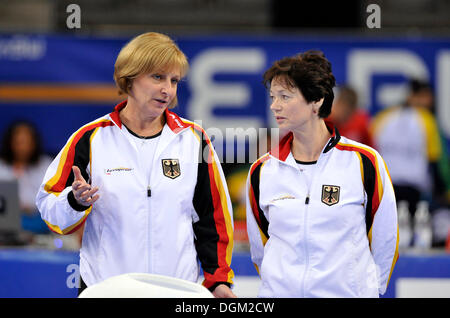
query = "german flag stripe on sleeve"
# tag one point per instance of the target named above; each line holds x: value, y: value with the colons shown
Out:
x: 214, y: 230
x: 71, y: 229
x: 396, y: 256
x: 76, y: 152
x: 373, y: 186
x: 255, y: 175
x: 371, y: 180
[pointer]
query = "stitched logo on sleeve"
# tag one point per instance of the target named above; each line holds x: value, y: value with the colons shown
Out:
x: 171, y: 168
x: 330, y: 194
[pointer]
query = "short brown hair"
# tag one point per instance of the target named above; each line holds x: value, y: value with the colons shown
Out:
x: 146, y: 53
x: 311, y: 73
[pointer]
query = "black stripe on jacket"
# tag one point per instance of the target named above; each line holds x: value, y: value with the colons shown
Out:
x: 206, y: 236
x: 81, y: 160
x: 369, y: 187
x: 254, y: 183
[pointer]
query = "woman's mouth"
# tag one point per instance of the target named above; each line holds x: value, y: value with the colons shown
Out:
x: 161, y: 101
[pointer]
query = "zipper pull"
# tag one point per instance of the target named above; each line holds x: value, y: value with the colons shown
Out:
x: 307, y: 199
x: 149, y: 191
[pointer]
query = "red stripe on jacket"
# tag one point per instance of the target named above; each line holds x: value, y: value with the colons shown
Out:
x: 60, y: 185
x: 372, y: 158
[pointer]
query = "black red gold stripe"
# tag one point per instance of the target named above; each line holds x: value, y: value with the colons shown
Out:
x: 76, y: 152
x: 255, y: 174
x: 214, y: 230
x: 372, y: 180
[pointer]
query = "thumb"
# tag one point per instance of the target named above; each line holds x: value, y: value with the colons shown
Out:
x: 77, y: 173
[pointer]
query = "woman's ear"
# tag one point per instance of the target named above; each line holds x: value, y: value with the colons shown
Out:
x: 316, y: 105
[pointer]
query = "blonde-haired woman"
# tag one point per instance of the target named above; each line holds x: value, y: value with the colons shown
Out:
x: 149, y: 202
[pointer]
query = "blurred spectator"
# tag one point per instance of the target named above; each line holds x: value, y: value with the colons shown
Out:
x: 351, y: 121
x: 21, y: 158
x: 407, y: 136
x: 236, y: 179
x: 421, y: 95
x: 441, y: 189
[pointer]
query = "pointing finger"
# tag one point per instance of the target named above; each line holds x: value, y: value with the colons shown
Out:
x: 77, y: 174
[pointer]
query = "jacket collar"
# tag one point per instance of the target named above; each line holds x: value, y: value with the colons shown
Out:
x: 284, y: 147
x: 172, y: 120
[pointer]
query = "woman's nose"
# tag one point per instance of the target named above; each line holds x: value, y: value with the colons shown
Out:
x: 165, y: 87
x: 274, y: 106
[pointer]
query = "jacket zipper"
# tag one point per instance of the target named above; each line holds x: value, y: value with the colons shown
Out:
x: 305, y: 243
x: 305, y: 217
x: 149, y: 215
x: 149, y: 224
x: 309, y: 184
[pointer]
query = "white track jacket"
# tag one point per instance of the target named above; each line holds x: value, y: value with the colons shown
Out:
x: 162, y: 225
x: 334, y: 237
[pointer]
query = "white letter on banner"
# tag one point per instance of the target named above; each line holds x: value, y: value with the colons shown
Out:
x: 442, y: 90
x: 206, y: 93
x: 363, y: 64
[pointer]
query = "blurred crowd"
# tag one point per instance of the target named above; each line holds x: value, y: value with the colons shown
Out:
x: 407, y: 136
x: 22, y: 158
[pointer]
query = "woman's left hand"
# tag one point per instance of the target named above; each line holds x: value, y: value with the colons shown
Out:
x: 223, y: 291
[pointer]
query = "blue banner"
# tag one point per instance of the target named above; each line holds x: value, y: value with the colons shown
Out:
x: 63, y: 82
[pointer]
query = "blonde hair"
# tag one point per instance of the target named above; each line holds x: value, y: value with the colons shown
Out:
x: 144, y: 54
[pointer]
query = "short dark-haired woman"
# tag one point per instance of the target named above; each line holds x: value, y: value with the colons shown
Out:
x: 321, y: 211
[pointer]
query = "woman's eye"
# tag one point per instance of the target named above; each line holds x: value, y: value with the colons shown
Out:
x: 285, y: 97
x: 156, y: 76
x: 175, y: 81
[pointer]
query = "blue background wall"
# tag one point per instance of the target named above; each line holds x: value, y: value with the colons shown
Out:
x: 65, y: 60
